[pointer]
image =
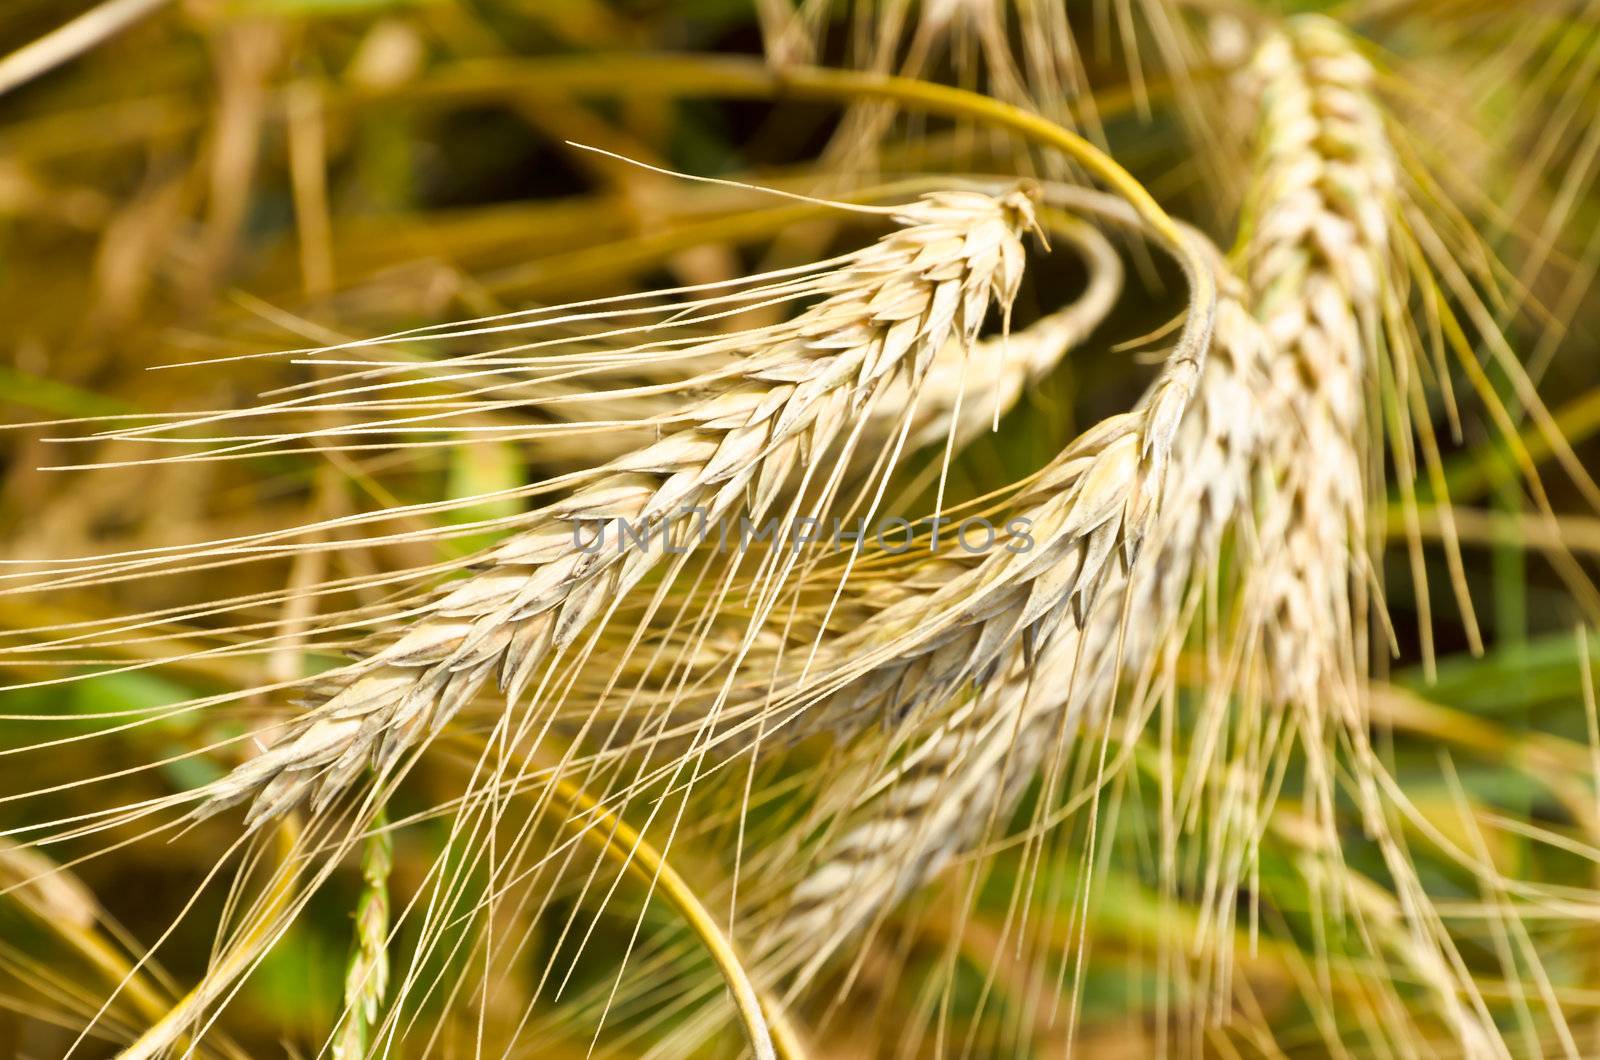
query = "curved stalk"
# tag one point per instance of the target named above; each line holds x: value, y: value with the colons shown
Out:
x: 713, y: 75
x: 769, y: 1033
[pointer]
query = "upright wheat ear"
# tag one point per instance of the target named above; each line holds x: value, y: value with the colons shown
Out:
x: 366, y: 976
x: 891, y: 308
x: 1316, y: 258
x: 1319, y: 266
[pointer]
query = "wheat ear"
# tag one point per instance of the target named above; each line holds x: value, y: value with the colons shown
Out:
x: 366, y: 977
x: 959, y: 399
x: 959, y: 620
x: 925, y: 806
x: 1326, y: 217
x: 1316, y: 260
x: 929, y: 803
x: 891, y: 309
x: 1088, y: 514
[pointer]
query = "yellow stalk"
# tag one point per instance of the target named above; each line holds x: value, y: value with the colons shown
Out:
x: 713, y: 75
x: 770, y: 1035
x: 238, y: 958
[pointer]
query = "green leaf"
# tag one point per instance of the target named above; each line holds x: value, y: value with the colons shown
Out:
x: 485, y: 471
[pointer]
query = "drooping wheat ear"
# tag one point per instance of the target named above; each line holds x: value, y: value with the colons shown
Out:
x: 888, y: 312
x: 961, y: 620
x: 1316, y: 262
x: 960, y: 397
x: 1086, y: 517
x: 366, y: 977
x: 943, y: 793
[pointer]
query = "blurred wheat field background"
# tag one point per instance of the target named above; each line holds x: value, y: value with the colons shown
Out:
x: 799, y: 528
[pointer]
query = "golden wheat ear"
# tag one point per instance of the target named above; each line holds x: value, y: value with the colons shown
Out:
x: 1325, y: 262
x: 880, y: 317
x: 684, y: 770
x: 946, y: 778
x: 889, y: 312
